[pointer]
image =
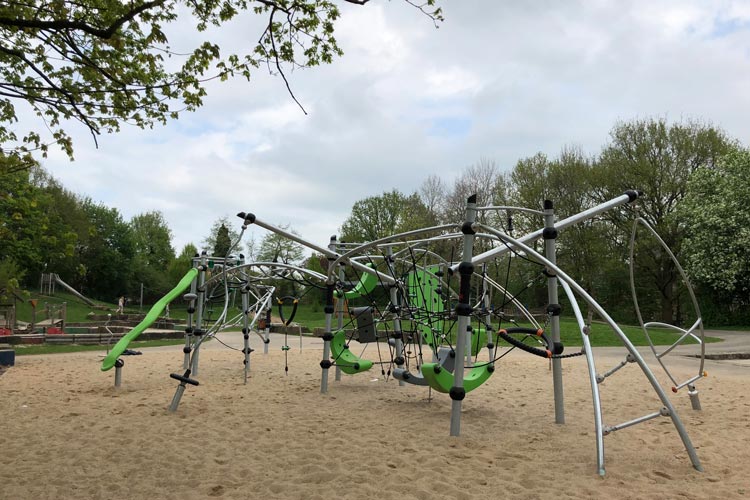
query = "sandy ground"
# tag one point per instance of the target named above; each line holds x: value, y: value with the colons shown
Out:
x: 67, y: 432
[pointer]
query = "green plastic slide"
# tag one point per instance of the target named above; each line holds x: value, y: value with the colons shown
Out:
x: 152, y: 316
x: 441, y: 379
x: 344, y: 358
x: 365, y: 285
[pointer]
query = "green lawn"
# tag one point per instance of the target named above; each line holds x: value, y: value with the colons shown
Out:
x: 313, y: 316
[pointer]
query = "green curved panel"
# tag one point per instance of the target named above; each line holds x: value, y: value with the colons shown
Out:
x: 344, y: 358
x: 151, y: 316
x: 441, y: 379
x: 366, y: 284
x: 423, y: 296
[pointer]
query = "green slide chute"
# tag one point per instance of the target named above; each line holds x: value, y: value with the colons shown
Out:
x: 441, y: 379
x: 365, y: 285
x: 344, y: 358
x: 151, y: 316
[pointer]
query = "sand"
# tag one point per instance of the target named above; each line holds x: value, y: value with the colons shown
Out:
x: 67, y: 432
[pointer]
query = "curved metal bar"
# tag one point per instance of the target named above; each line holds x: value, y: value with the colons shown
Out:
x: 244, y: 267
x: 688, y: 285
x: 346, y: 257
x: 595, y: 397
x: 676, y: 421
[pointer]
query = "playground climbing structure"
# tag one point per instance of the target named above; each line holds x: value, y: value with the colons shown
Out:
x: 424, y: 309
x: 453, y: 314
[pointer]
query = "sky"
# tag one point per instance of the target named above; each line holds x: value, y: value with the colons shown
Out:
x: 497, y: 80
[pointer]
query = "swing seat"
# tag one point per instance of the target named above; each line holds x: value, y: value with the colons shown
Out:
x: 344, y: 358
x: 442, y: 380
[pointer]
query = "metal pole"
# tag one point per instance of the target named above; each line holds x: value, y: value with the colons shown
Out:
x: 628, y: 197
x: 325, y: 363
x: 333, y: 246
x: 246, y: 330
x: 398, y: 336
x: 140, y: 303
x: 553, y: 308
x: 463, y: 310
x: 198, y: 330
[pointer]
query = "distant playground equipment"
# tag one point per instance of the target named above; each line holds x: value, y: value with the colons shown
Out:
x: 48, y: 282
x: 430, y: 308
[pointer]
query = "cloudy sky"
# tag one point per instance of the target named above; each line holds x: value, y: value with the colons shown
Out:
x: 498, y: 80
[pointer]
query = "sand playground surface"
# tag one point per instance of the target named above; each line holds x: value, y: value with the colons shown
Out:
x: 68, y: 433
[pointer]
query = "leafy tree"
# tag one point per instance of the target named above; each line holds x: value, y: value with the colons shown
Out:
x: 223, y: 241
x: 11, y: 276
x: 28, y: 230
x: 583, y: 250
x: 221, y: 237
x: 657, y: 158
x: 106, y: 62
x: 276, y: 248
x: 152, y: 239
x: 181, y: 264
x: 67, y: 220
x: 717, y: 243
x: 152, y: 253
x: 106, y: 251
x: 375, y: 217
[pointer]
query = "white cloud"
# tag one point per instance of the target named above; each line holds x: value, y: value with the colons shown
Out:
x: 500, y: 80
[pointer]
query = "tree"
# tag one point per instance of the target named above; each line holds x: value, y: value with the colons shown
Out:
x: 717, y: 242
x: 221, y: 237
x: 657, y: 158
x: 432, y: 194
x: 31, y: 231
x: 152, y: 239
x: 152, y: 253
x: 483, y: 179
x: 223, y: 241
x: 585, y: 249
x: 374, y: 217
x: 106, y: 62
x: 491, y: 187
x: 181, y: 264
x: 276, y: 248
x: 11, y: 276
x: 106, y: 252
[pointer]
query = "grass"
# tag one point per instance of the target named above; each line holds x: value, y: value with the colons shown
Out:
x: 313, y: 316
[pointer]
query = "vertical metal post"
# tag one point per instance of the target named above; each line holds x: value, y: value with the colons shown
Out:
x: 553, y: 308
x: 267, y: 331
x: 199, y: 311
x: 246, y: 330
x: 339, y: 304
x: 463, y: 310
x: 325, y: 363
x: 487, y: 317
x: 397, y: 332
